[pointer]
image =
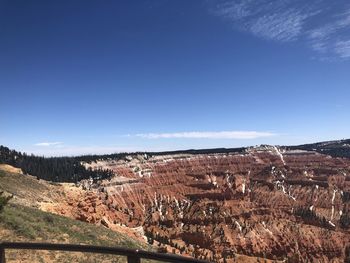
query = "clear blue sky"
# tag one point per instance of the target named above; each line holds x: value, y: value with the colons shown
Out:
x: 106, y: 76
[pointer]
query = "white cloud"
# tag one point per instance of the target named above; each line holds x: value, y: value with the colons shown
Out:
x: 234, y: 10
x: 332, y: 38
x: 271, y: 19
x: 208, y: 135
x: 323, y: 26
x: 48, y: 144
x: 79, y: 150
x: 342, y: 48
x: 286, y: 26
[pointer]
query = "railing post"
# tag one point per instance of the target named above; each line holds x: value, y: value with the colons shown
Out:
x: 134, y: 259
x: 2, y: 254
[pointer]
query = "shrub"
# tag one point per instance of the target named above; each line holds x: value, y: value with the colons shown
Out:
x: 346, y: 196
x: 345, y: 220
x: 310, y: 217
x: 4, y: 200
x: 347, y: 254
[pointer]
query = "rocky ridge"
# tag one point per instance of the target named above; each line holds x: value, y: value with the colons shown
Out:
x: 265, y: 202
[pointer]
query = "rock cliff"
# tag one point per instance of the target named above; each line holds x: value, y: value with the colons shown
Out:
x: 265, y: 202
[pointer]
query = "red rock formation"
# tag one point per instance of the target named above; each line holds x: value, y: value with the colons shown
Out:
x: 220, y: 205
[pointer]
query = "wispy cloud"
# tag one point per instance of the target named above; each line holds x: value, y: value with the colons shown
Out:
x: 270, y: 19
x: 322, y: 25
x: 72, y: 150
x: 342, y: 48
x: 332, y: 38
x: 285, y: 26
x: 208, y: 135
x: 48, y: 144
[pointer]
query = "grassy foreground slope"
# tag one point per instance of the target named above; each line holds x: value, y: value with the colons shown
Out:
x: 19, y: 222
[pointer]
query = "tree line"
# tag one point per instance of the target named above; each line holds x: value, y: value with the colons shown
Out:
x: 70, y: 169
x: 333, y: 148
x: 56, y: 169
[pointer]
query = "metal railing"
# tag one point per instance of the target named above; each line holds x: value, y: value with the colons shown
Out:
x: 132, y: 255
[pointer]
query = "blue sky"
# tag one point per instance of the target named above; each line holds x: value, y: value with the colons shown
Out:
x: 107, y: 76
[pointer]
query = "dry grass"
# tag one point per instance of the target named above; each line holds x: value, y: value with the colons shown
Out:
x: 20, y: 220
x: 20, y: 223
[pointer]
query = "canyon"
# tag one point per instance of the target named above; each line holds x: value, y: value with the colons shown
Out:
x: 268, y: 202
